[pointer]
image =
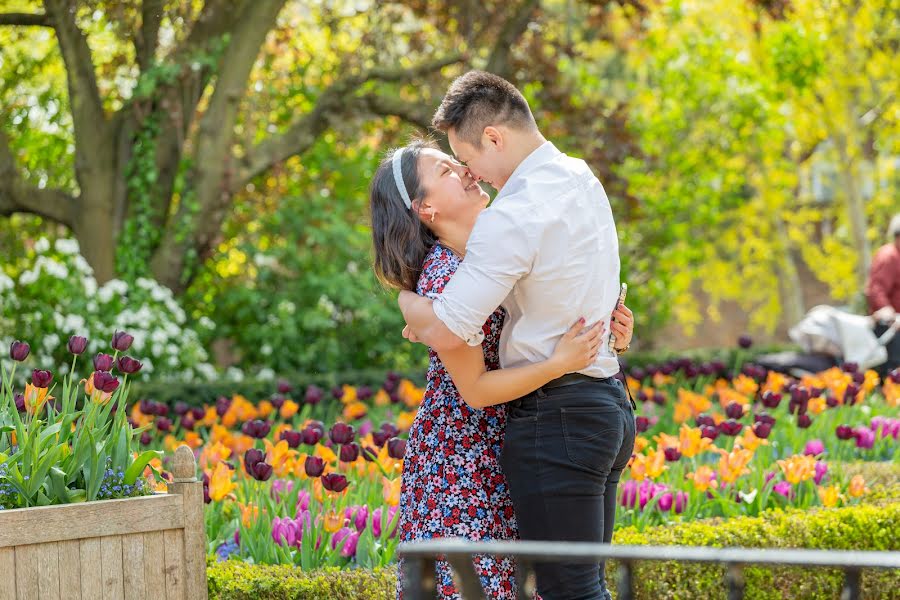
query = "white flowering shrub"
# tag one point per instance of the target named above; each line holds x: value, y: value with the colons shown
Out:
x: 55, y: 296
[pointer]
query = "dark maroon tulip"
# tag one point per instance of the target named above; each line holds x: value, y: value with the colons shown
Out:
x: 310, y: 436
x: 396, y: 448
x: 667, y: 369
x: 642, y: 396
x: 128, y: 365
x: 261, y: 471
x: 277, y: 400
x: 659, y: 398
x: 160, y: 409
x: 393, y: 376
x: 313, y: 395
x: 804, y: 421
x: 222, y: 405
x: 341, y: 433
x: 368, y: 453
x: 335, y: 482
x: 105, y: 382
x: 745, y: 341
x: 389, y: 386
x: 390, y: 428
x: 691, y: 371
x: 764, y: 417
x: 103, y: 362
x: 380, y: 438
x: 146, y: 438
x: 121, y: 341
x: 762, y: 429
x: 337, y: 392
x: 41, y: 379
x: 293, y: 438
x: 709, y: 431
x: 256, y: 429
x: 164, y: 424
x: 704, y: 419
x: 314, y: 466
x: 349, y: 453
x: 844, y: 432
x: 895, y: 376
x: 181, y: 408
x: 284, y: 386
x: 364, y: 393
x: 20, y: 402
x: 850, y: 367
x: 395, y: 398
x: 146, y: 406
x: 859, y: 378
x: 831, y: 400
x: 850, y: 393
x: 641, y: 424
x: 77, y: 344
x: 672, y: 454
x: 799, y: 395
x: 730, y: 427
x: 188, y: 422
x: 734, y: 410
x: 251, y: 457
x: 639, y: 373
x: 815, y: 392
x: 198, y: 413
x: 19, y: 351
x: 707, y: 369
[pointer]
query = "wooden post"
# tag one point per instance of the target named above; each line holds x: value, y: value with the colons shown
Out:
x: 191, y: 491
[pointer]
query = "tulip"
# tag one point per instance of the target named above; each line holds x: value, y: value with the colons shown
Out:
x: 745, y: 341
x: 642, y: 396
x: 638, y: 373
x: 256, y: 429
x: 850, y: 393
x: 41, y: 379
x: 814, y: 448
x: 341, y: 433
x: 821, y: 470
x: 293, y: 438
x: 364, y: 393
x: 181, y: 408
x: 314, y: 466
x: 281, y: 487
x: 349, y: 452
x: 121, y: 341
x: 369, y: 453
x: 103, y: 362
x: 865, y: 437
x: 380, y: 438
x: 350, y: 540
x: 734, y: 410
x: 164, y: 424
x: 313, y: 395
x: 730, y: 427
x: 261, y: 471
x: 672, y: 454
x: 146, y: 439
x: 894, y: 376
x: 128, y: 365
x: 704, y: 419
x: 764, y: 417
x: 396, y: 448
x: 783, y: 488
x: 19, y: 351
x: 105, y: 382
x: 710, y: 432
x: 335, y: 482
x: 303, y: 498
x: 284, y: 386
x: 641, y: 423
x: 804, y: 421
x: 358, y: 515
x: 277, y: 400
x: 20, y: 402
x: 843, y: 432
x: 665, y: 502
x: 188, y: 423
x: 252, y: 457
x: 337, y: 392
x: 771, y: 399
x: 392, y: 510
x: 390, y: 429
x: 285, y: 531
x: 681, y: 500
x: 222, y: 405
x: 762, y: 429
x: 77, y: 344
x: 310, y: 436
x: 198, y: 413
x: 831, y: 401
x: 857, y: 486
x: 659, y: 398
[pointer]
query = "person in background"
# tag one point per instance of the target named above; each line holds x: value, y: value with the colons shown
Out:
x: 883, y: 292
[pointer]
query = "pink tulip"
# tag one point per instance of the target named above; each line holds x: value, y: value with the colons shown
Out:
x: 814, y: 448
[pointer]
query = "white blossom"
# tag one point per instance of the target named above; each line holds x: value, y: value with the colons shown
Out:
x: 67, y: 246
x: 42, y: 245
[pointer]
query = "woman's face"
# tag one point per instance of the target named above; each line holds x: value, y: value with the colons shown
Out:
x: 450, y: 190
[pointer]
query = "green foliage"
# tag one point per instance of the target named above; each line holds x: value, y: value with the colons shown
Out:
x: 234, y: 580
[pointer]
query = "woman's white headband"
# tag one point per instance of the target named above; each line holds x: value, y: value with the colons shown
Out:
x: 397, y: 163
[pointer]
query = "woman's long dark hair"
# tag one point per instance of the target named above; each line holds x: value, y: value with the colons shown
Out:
x: 400, y: 239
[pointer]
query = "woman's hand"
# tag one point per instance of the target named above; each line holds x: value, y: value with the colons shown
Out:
x: 578, y: 348
x: 622, y: 326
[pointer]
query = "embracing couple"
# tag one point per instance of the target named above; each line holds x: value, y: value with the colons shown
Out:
x: 523, y: 431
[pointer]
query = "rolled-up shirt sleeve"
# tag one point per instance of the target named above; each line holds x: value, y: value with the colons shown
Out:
x: 498, y: 254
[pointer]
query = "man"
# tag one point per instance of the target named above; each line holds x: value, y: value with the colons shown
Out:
x: 547, y: 251
x: 883, y: 292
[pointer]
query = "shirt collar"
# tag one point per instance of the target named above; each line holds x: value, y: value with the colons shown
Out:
x: 542, y: 154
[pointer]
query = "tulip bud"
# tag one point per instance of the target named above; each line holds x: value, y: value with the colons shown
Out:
x: 164, y: 424
x: 762, y: 429
x: 337, y: 392
x: 128, y: 365
x: 665, y: 502
x: 672, y: 454
x: 262, y: 471
x: 77, y: 344
x: 396, y: 448
x: 730, y: 427
x: 831, y: 401
x: 18, y: 351
x: 734, y: 410
x: 293, y: 438
x: 380, y: 438
x: 895, y: 376
x: 121, y: 341
x: 341, y: 433
x: 850, y: 367
x: 20, y: 402
x: 103, y: 362
x: 335, y: 482
x: 641, y: 423
x: 181, y: 408
x: 146, y: 438
x: 314, y: 466
x: 256, y: 429
x: 277, y: 400
x: 314, y: 395
x: 187, y: 422
x: 843, y: 432
x: 41, y: 379
x: 709, y: 431
x: 284, y: 386
x: 804, y: 421
x: 745, y: 341
x: 105, y: 382
x: 704, y: 419
x: 310, y: 436
x: 349, y: 453
x: 764, y: 417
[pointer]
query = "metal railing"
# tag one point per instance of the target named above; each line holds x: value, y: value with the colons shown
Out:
x: 419, y: 563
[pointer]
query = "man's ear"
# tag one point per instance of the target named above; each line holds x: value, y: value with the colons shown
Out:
x: 493, y: 136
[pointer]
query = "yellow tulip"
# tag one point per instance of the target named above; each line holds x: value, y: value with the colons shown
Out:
x: 333, y: 521
x: 692, y: 442
x: 703, y: 478
x: 857, y: 486
x: 391, y: 490
x: 220, y: 483
x: 733, y: 464
x: 797, y: 468
x: 830, y: 496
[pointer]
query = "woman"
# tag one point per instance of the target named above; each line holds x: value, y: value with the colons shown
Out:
x: 424, y: 205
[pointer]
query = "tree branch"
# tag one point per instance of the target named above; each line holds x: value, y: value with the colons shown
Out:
x: 25, y: 19
x: 16, y: 196
x: 512, y: 30
x: 147, y: 39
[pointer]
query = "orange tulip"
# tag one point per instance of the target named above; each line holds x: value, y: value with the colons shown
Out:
x: 35, y: 398
x: 703, y: 478
x: 220, y: 483
x: 288, y: 409
x: 857, y: 486
x: 797, y: 468
x: 391, y: 491
x: 830, y: 496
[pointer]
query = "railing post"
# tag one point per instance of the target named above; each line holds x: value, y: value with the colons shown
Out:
x: 624, y: 586
x: 734, y: 576
x: 468, y: 578
x: 852, y: 586
x: 525, y: 588
x: 186, y: 485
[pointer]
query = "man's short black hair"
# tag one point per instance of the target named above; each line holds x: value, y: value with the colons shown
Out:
x: 479, y: 99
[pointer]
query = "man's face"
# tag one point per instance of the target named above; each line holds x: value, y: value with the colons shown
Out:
x: 482, y: 163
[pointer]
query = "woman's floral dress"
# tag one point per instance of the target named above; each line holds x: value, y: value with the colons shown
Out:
x: 452, y: 484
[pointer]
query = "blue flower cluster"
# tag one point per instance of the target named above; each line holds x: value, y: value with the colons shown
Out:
x: 226, y: 550
x: 8, y: 495
x: 114, y: 486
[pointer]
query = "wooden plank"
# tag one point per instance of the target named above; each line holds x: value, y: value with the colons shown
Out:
x: 174, y: 539
x: 90, y: 519
x: 27, y: 573
x: 91, y: 571
x: 133, y: 565
x: 195, y: 584
x: 111, y: 555
x: 8, y: 566
x: 154, y: 566
x: 48, y: 571
x: 70, y: 570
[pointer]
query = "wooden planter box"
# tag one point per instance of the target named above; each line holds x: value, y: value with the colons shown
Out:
x: 153, y: 547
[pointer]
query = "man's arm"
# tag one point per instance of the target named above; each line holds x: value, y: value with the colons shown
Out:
x: 418, y: 312
x: 878, y: 285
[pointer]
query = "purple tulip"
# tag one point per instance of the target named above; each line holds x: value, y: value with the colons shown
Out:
x: 314, y: 466
x: 128, y: 365
x: 365, y: 429
x: 349, y: 538
x: 659, y: 398
x: 310, y: 436
x: 641, y: 423
x: 222, y: 405
x: 764, y: 417
x: 103, y: 362
x: 358, y: 515
x: 77, y: 344
x: 19, y: 351
x: 762, y: 429
x: 252, y: 457
x: 390, y: 429
x: 396, y: 448
x: 376, y: 521
x: 783, y: 488
x: 334, y: 482
x: 380, y: 438
x: 121, y: 341
x: 843, y: 432
x: 105, y: 382
x: 341, y: 433
x: 814, y: 448
x: 349, y: 452
x: 821, y: 470
x: 313, y: 395
x: 745, y: 341
x: 198, y: 413
x: 284, y: 386
x: 638, y: 373
x: 281, y: 487
x: 681, y: 500
x: 804, y: 421
x: 665, y: 502
x: 293, y: 438
x: 831, y: 400
x: 770, y: 399
x: 303, y: 499
x: 337, y: 392
x: 277, y: 401
x: 730, y: 427
x: 710, y: 432
x: 257, y: 428
x: 180, y: 408
x: 261, y: 471
x: 705, y: 419
x: 285, y: 531
x: 369, y: 453
x: 188, y: 422
x: 146, y: 438
x: 865, y: 437
x: 364, y: 393
x: 20, y: 402
x: 629, y: 493
x: 672, y: 454
x: 41, y: 379
x: 734, y: 410
x: 164, y: 424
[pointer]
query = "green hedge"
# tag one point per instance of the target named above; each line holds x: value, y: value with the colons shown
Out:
x: 864, y: 527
